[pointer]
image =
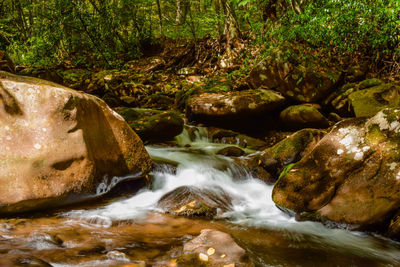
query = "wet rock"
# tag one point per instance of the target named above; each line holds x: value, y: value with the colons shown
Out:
x: 230, y: 137
x: 233, y: 109
x: 194, y: 202
x: 6, y: 64
x: 350, y: 177
x: 213, y: 248
x: 224, y: 136
x: 289, y: 150
x: 368, y: 102
x: 252, y: 164
x: 22, y: 260
x: 303, y: 116
x: 153, y: 125
x: 231, y: 151
x: 58, y: 144
x: 306, y: 81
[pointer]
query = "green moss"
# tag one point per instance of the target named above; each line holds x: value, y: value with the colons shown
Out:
x: 374, y: 135
x: 369, y: 83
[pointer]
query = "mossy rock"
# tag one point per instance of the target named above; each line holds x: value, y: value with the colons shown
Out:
x: 350, y: 177
x: 368, y: 102
x: 153, y: 125
x: 239, y: 110
x: 368, y: 83
x: 303, y: 116
x: 303, y: 80
x: 290, y: 150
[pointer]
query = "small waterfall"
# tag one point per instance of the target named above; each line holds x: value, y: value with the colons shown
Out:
x: 198, y: 166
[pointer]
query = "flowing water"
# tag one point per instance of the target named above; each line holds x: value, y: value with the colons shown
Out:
x: 126, y: 227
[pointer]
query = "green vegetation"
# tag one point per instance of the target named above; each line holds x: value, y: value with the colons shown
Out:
x: 108, y: 33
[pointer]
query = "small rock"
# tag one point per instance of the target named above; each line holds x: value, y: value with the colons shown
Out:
x: 193, y: 202
x: 303, y: 116
x: 231, y: 151
x: 225, y: 251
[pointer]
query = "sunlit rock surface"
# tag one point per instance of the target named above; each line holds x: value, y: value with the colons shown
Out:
x: 214, y: 248
x: 234, y: 108
x: 351, y: 176
x: 58, y: 144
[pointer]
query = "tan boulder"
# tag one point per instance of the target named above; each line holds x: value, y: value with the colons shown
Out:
x: 214, y: 248
x: 351, y: 176
x: 57, y: 145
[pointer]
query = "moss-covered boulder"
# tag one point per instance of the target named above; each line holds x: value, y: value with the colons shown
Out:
x: 6, y: 64
x: 233, y: 109
x: 301, y: 80
x: 59, y: 146
x: 289, y: 150
x: 303, y: 116
x: 339, y: 101
x: 153, y: 125
x: 368, y: 102
x: 194, y: 202
x: 351, y: 176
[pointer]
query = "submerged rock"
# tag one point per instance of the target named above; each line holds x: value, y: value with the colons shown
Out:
x: 153, y: 125
x: 303, y: 116
x: 194, y: 202
x: 58, y: 144
x: 213, y: 248
x: 351, y: 176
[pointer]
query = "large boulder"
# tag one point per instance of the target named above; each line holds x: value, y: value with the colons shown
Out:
x: 351, y: 176
x: 301, y: 80
x: 59, y: 144
x: 368, y: 102
x: 339, y: 99
x: 6, y: 63
x: 153, y: 125
x: 233, y: 107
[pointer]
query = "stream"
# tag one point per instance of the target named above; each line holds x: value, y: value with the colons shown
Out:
x: 126, y: 226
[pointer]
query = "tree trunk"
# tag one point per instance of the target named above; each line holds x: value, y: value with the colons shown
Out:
x: 160, y: 16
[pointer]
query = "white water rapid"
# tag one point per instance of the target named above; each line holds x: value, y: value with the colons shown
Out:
x: 199, y: 166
